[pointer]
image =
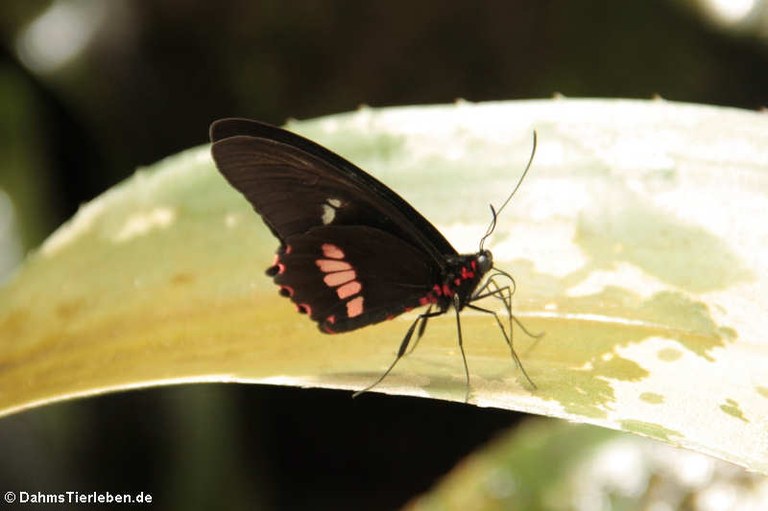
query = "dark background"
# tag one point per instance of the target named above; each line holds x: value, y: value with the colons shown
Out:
x: 147, y: 82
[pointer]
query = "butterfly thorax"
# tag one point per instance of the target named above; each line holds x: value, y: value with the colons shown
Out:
x: 460, y: 278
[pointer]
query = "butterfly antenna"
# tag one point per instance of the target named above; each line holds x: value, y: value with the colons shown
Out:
x: 496, y: 213
x: 491, y: 227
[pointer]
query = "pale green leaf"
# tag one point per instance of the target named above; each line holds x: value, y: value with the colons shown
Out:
x: 638, y: 243
x: 553, y: 466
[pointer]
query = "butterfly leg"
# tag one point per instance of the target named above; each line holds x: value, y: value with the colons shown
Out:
x: 457, y: 308
x: 504, y: 294
x: 420, y: 331
x: 507, y: 338
x: 491, y: 288
x: 403, y: 347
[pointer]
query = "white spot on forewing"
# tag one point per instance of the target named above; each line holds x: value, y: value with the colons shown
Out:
x: 329, y: 214
x: 329, y: 210
x: 144, y: 222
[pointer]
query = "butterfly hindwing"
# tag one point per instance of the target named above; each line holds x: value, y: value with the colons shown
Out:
x: 344, y: 284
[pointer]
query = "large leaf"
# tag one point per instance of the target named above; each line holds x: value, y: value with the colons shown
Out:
x: 638, y: 244
x: 553, y: 465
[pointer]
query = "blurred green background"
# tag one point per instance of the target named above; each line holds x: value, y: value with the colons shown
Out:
x: 92, y: 89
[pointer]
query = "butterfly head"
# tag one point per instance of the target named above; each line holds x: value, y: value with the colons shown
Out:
x: 484, y: 261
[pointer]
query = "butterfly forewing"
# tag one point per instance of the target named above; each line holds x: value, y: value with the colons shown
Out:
x: 296, y: 184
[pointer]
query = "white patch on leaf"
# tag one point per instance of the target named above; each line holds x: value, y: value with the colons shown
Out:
x: 142, y: 223
x: 231, y: 220
x: 80, y: 224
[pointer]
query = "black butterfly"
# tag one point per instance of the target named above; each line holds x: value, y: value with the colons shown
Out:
x: 352, y: 252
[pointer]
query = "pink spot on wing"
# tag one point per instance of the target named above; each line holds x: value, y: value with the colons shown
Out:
x: 447, y: 291
x: 437, y: 290
x: 332, y: 251
x: 286, y: 291
x: 303, y: 308
x: 338, y: 278
x: 280, y: 268
x: 424, y: 300
x: 288, y: 249
x: 349, y: 289
x: 473, y: 264
x: 326, y: 326
x: 457, y: 281
x: 355, y: 307
x: 331, y: 265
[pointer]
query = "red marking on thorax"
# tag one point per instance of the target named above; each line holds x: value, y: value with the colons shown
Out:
x: 424, y: 300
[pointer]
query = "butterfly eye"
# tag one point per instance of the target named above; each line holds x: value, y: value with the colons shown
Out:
x: 485, y: 261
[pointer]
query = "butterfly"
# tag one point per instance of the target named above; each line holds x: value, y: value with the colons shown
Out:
x: 352, y: 252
